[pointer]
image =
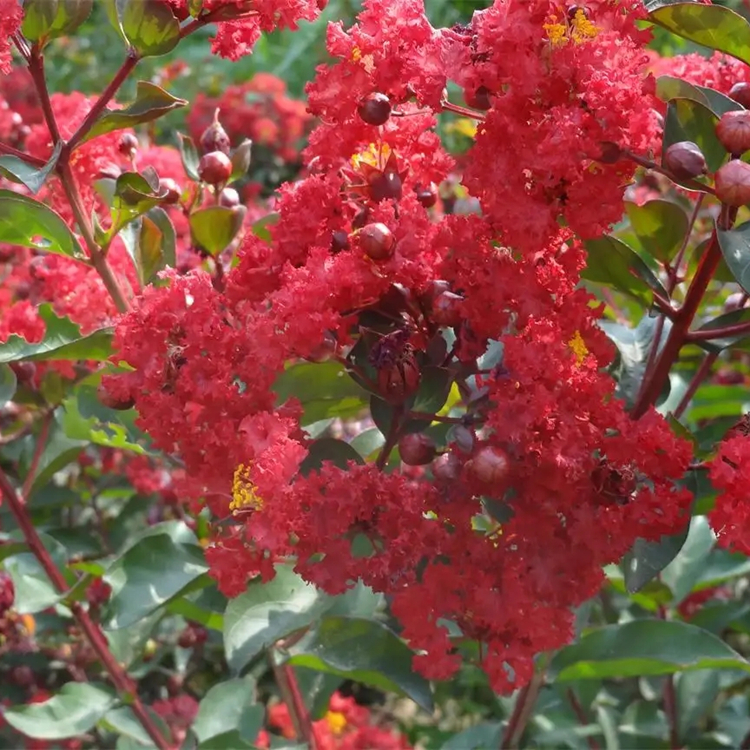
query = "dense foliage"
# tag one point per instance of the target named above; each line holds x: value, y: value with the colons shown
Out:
x: 399, y: 402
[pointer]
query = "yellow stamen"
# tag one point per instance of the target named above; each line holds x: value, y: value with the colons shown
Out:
x: 583, y: 29
x: 376, y: 154
x: 578, y: 346
x: 556, y: 33
x: 336, y: 721
x: 244, y: 495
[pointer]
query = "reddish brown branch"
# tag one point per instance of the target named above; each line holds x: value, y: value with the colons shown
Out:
x: 28, y: 158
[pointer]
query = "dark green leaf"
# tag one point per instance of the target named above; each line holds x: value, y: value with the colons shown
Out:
x: 62, y: 340
x: 124, y: 722
x: 226, y: 707
x: 329, y: 449
x: 134, y: 195
x: 261, y: 227
x: 688, y: 120
x: 71, y: 713
x: 484, y: 736
x: 70, y: 15
x: 668, y: 88
x: 150, y: 27
x: 365, y: 651
x: 27, y: 222
x: 7, y: 384
x: 150, y: 241
x: 213, y: 228
x: 18, y: 170
x: 728, y: 319
x: 59, y: 451
x: 735, y: 247
x: 38, y: 17
x: 646, y: 559
x: 682, y: 573
x: 610, y: 261
x: 696, y: 692
x: 325, y: 390
x: 148, y: 575
x: 644, y: 647
x: 660, y: 226
x: 713, y: 26
x: 189, y: 156
x: 151, y: 102
x: 268, y: 612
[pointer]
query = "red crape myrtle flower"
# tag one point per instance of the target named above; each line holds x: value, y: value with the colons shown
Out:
x: 577, y: 480
x: 11, y: 15
x: 730, y: 474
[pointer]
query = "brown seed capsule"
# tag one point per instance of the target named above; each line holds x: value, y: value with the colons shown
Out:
x: 377, y: 241
x: 229, y: 198
x: 215, y: 138
x: 171, y: 188
x: 685, y: 160
x: 732, y: 183
x: 128, y: 144
x: 416, y: 449
x: 399, y: 381
x: 740, y: 92
x: 215, y: 168
x: 427, y: 196
x: 446, y: 309
x: 733, y: 130
x: 375, y: 109
x: 386, y: 186
x: 490, y: 465
x: 446, y: 468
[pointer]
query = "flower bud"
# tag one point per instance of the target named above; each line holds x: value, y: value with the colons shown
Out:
x: 733, y: 130
x: 24, y: 371
x: 128, y: 144
x: 685, y: 160
x: 111, y: 401
x: 479, y: 98
x: 740, y: 92
x: 416, y: 449
x: 446, y: 468
x: 375, y: 109
x: 215, y: 138
x: 732, y: 183
x: 427, y: 196
x: 339, y: 241
x: 610, y: 153
x: 385, y: 186
x: 377, y: 241
x: 229, y: 198
x: 446, y: 309
x: 215, y: 168
x: 171, y: 190
x: 400, y: 380
x: 463, y: 438
x: 490, y: 465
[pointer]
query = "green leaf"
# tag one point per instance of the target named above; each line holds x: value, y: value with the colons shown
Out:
x: 38, y: 17
x: 151, y: 102
x: 124, y: 722
x: 70, y: 15
x: 227, y: 707
x: 134, y: 195
x: 27, y: 222
x: 62, y: 340
x: 684, y: 571
x: 325, y: 390
x: 644, y: 647
x: 713, y: 26
x: 189, y: 155
x: 728, y: 319
x: 150, y: 27
x: 149, y: 574
x: 634, y: 346
x: 59, y: 451
x: 150, y: 241
x: 268, y: 612
x: 735, y: 247
x: 668, y: 88
x: 18, y: 170
x: 484, y: 736
x: 214, y: 227
x: 688, y: 120
x: 647, y: 559
x: 8, y: 384
x: 241, y: 160
x: 660, y: 226
x: 71, y: 713
x: 329, y: 449
x: 695, y: 693
x: 365, y: 651
x: 610, y: 261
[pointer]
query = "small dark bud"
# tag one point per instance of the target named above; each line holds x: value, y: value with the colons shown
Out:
x: 733, y: 130
x: 229, y: 198
x: 490, y: 465
x: 427, y: 196
x: 171, y: 190
x: 685, y: 160
x: 480, y: 98
x: 215, y: 138
x: 24, y: 371
x: 386, y: 186
x: 375, y: 109
x: 128, y: 144
x: 339, y: 241
x: 446, y: 468
x: 610, y: 152
x: 377, y: 241
x: 215, y: 168
x: 416, y: 449
x: 464, y: 439
x: 740, y: 92
x: 732, y: 183
x: 446, y: 309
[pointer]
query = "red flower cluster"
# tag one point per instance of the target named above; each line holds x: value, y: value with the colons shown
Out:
x: 546, y: 478
x: 730, y: 473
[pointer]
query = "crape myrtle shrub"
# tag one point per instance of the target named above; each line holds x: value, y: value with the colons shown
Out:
x: 432, y: 381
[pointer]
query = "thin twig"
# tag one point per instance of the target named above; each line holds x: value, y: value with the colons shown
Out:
x: 695, y: 381
x: 41, y: 444
x: 581, y: 716
x: 28, y: 158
